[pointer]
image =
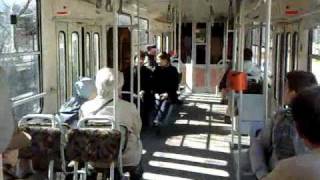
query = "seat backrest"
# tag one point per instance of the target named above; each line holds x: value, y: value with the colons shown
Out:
x: 93, y: 145
x: 45, y: 146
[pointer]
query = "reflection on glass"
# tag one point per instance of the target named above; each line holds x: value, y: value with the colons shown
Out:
x: 23, y: 37
x: 87, y: 55
x: 289, y: 53
x: 74, y: 59
x: 124, y: 20
x: 62, y: 68
x: 316, y: 68
x: 201, y: 33
x: 96, y: 51
x: 316, y: 42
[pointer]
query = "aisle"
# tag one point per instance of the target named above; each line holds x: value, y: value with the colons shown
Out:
x: 195, y: 147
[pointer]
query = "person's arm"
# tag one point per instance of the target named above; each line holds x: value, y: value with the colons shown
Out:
x: 281, y: 172
x: 259, y: 146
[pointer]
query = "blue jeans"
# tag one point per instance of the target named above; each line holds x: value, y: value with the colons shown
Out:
x: 161, y: 108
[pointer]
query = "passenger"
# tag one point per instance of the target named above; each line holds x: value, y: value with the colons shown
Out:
x: 279, y: 140
x: 146, y: 79
x: 306, y: 115
x: 252, y: 70
x: 11, y: 140
x: 128, y: 117
x: 84, y: 90
x: 152, y: 63
x: 166, y: 82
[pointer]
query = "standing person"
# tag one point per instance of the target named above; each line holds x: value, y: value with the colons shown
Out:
x: 152, y: 51
x: 166, y: 83
x: 279, y: 139
x: 306, y: 115
x: 146, y: 76
x: 249, y: 67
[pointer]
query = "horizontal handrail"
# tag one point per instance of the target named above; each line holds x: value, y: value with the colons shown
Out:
x: 29, y: 99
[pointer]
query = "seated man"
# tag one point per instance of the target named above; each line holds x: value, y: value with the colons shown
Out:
x: 84, y: 90
x: 128, y: 117
x: 306, y: 115
x: 166, y: 83
x: 279, y: 139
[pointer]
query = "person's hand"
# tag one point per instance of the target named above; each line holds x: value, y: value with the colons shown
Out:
x: 157, y: 96
x: 164, y: 96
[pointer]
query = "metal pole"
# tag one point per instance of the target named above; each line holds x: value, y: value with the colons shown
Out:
x: 267, y: 58
x: 179, y: 38
x: 132, y: 63
x: 138, y: 69
x: 175, y: 31
x: 225, y: 42
x: 115, y: 62
x: 234, y: 62
x: 116, y: 87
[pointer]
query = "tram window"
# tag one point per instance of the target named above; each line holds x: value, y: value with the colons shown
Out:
x: 62, y: 68
x: 96, y: 51
x: 22, y: 70
x: 167, y: 43
x: 255, y: 45
x: 87, y: 55
x: 74, y: 64
x: 295, y: 50
x: 159, y: 44
x: 276, y: 66
x: 201, y: 54
x: 124, y: 20
x: 315, y: 56
x: 22, y: 37
x: 186, y: 42
x: 217, y: 34
x: 289, y: 64
x: 144, y: 30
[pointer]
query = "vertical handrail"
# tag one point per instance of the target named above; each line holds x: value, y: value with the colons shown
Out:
x: 138, y: 69
x: 116, y: 74
x: 267, y: 58
x: 179, y: 38
x: 1, y: 166
x: 175, y: 31
x: 132, y: 61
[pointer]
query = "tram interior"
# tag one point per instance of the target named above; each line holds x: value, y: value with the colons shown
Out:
x: 47, y: 46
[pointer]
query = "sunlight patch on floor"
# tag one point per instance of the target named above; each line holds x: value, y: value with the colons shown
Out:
x: 153, y: 176
x: 189, y: 158
x: 189, y: 168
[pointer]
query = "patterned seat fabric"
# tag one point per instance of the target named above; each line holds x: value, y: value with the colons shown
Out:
x: 93, y: 145
x: 45, y: 146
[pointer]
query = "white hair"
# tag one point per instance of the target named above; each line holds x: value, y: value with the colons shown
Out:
x: 105, y: 80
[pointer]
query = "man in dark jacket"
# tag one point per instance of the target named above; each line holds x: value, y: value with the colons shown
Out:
x: 166, y: 83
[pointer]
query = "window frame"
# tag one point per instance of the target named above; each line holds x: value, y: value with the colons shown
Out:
x: 39, y: 96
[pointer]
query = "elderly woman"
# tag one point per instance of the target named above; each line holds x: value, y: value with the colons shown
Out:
x: 128, y: 117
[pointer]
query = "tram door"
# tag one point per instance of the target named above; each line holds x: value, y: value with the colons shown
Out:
x: 206, y: 56
x: 91, y: 50
x: 68, y: 58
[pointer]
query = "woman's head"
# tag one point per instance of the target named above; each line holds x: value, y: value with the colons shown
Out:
x: 164, y: 59
x: 295, y: 82
x: 105, y: 81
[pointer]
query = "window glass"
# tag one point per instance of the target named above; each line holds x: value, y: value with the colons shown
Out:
x: 159, y: 47
x: 167, y: 43
x: 22, y: 36
x: 201, y: 34
x: 255, y: 45
x: 96, y: 51
x: 144, y: 30
x: 201, y: 54
x: 62, y: 68
x: 124, y: 20
x: 288, y: 53
x: 74, y: 65
x: 315, y: 56
x: 87, y: 55
x: 19, y: 32
x: 295, y: 50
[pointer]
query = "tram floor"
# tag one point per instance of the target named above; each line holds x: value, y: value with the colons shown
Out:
x: 194, y: 147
